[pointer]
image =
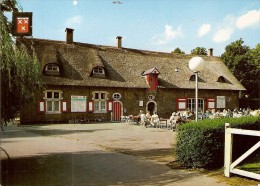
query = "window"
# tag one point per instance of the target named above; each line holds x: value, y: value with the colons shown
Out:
x: 192, y: 78
x: 192, y: 102
x: 116, y: 96
x: 100, y: 101
x: 98, y: 70
x: 52, y: 68
x: 221, y: 79
x: 53, y: 101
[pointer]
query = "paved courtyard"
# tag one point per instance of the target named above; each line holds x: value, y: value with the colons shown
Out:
x: 92, y: 154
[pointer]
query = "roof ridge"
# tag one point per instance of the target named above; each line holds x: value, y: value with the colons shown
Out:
x: 123, y: 49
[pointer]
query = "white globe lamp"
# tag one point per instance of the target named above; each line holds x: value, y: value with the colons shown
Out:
x: 196, y: 64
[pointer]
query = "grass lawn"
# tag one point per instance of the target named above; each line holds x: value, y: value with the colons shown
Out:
x: 252, y: 163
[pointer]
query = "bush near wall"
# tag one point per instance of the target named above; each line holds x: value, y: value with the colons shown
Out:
x: 201, y: 144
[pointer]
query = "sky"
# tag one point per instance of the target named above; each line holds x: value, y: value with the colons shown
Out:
x: 156, y: 25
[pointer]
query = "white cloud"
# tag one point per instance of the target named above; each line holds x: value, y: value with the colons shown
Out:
x: 249, y: 19
x: 225, y: 29
x: 204, y: 29
x: 168, y: 35
x: 223, y: 34
x: 73, y: 22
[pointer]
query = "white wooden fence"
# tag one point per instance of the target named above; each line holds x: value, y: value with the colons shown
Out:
x: 229, y: 166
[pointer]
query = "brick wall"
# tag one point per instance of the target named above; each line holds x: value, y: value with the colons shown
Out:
x: 164, y: 98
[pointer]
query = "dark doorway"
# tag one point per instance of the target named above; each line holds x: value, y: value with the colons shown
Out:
x: 151, y: 107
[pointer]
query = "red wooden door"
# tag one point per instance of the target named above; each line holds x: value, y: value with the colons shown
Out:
x: 117, y: 111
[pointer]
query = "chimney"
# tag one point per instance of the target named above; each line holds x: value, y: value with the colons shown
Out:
x: 210, y: 52
x: 119, y: 41
x: 69, y: 35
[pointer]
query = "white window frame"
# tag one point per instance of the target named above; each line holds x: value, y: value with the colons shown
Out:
x: 116, y: 96
x: 52, y: 100
x: 191, y: 104
x: 52, y: 68
x: 98, y: 70
x: 100, y: 103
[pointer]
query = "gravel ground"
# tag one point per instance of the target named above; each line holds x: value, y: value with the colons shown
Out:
x: 92, y: 154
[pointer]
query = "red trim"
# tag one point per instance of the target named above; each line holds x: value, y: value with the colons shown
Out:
x: 39, y: 106
x: 90, y: 106
x: 210, y: 100
x: 181, y: 100
x: 62, y: 109
x: 109, y: 106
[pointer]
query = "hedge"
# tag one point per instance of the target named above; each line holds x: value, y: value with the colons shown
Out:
x: 201, y: 144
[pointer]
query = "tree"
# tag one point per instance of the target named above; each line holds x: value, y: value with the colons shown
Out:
x: 178, y: 51
x: 20, y: 72
x: 199, y: 51
x: 244, y: 64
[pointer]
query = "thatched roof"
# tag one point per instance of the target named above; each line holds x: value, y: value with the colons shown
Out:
x: 124, y: 67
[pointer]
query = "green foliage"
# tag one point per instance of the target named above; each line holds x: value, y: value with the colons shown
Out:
x: 199, y: 51
x: 20, y: 72
x: 178, y: 51
x: 244, y: 64
x: 201, y: 144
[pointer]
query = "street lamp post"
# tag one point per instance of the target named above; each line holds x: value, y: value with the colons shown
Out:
x: 196, y: 64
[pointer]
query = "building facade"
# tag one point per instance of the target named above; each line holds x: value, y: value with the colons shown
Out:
x: 88, y: 81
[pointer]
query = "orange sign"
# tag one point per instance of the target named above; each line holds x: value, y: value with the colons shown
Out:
x: 22, y: 24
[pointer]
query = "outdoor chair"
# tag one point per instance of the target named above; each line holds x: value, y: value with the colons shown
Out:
x: 123, y: 118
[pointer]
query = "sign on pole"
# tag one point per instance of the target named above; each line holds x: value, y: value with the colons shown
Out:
x: 22, y: 24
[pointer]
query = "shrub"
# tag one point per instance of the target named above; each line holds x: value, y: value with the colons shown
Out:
x: 201, y: 144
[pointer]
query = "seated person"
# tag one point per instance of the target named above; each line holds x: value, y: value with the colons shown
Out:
x: 139, y: 117
x: 155, y: 120
x: 142, y: 119
x: 147, y: 119
x: 171, y: 120
x: 148, y: 115
x: 177, y: 118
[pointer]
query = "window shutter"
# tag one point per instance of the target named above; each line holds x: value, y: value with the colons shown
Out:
x: 109, y: 106
x: 91, y: 106
x: 181, y: 104
x: 64, y: 106
x: 41, y: 106
x: 211, y: 103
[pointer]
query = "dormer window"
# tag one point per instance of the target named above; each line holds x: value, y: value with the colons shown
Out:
x: 192, y: 77
x: 98, y: 70
x: 52, y: 69
x: 221, y: 79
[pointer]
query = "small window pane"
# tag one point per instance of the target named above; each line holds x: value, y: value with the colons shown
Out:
x: 103, y: 105
x: 56, y: 106
x: 49, y: 94
x: 56, y: 95
x: 96, y: 95
x: 103, y: 95
x: 49, y: 67
x: 96, y: 106
x: 49, y: 105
